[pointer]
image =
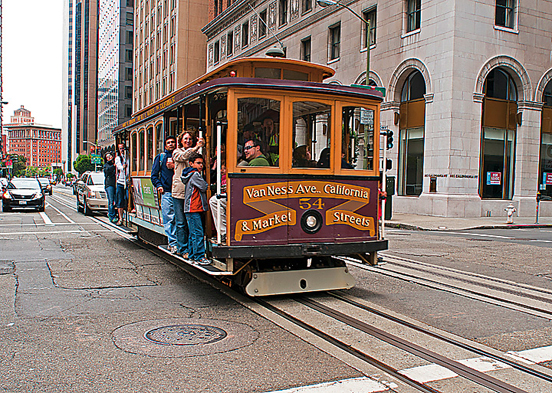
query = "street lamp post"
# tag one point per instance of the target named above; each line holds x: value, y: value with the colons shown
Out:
x: 327, y: 3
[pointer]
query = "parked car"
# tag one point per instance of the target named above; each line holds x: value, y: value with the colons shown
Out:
x: 23, y: 193
x: 91, y: 195
x: 75, y: 183
x: 46, y: 185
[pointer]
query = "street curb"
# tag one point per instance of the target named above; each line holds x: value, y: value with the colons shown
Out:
x: 412, y: 227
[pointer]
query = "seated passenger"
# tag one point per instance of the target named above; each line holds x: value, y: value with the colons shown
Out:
x: 324, y: 161
x: 302, y: 158
x: 271, y: 137
x: 344, y: 163
x: 253, y: 153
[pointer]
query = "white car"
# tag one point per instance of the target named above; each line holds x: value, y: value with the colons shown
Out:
x: 91, y: 195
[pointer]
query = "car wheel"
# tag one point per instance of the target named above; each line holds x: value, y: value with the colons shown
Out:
x: 78, y: 205
x: 87, y: 211
x: 41, y: 207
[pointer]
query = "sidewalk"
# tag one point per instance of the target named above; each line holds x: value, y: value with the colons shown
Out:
x: 431, y: 223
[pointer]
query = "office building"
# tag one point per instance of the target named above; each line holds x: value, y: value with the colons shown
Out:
x: 468, y: 88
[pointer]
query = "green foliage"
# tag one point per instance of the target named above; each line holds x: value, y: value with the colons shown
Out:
x: 19, y: 165
x: 83, y: 164
x: 69, y: 176
x: 58, y: 172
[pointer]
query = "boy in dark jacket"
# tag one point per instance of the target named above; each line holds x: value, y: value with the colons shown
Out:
x: 195, y: 203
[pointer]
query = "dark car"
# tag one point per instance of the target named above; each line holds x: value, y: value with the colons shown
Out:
x: 46, y: 185
x: 23, y: 193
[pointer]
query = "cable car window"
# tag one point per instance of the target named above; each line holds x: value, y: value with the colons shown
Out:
x: 311, y: 134
x: 358, y: 138
x: 141, y: 150
x: 258, y: 122
x: 268, y: 73
x: 149, y: 148
x: 159, y: 146
x: 295, y: 75
x: 134, y: 152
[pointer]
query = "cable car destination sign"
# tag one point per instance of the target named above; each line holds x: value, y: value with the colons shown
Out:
x: 308, y: 195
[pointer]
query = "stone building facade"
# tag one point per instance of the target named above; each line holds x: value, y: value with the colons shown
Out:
x: 468, y: 88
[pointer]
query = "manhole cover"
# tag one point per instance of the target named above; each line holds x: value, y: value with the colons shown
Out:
x: 186, y: 334
x: 183, y: 337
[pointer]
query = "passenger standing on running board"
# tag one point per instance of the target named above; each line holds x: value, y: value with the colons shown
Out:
x: 187, y: 146
x: 162, y: 174
x: 121, y: 163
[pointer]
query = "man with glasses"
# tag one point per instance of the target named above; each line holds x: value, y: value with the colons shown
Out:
x: 162, y: 174
x: 254, y: 154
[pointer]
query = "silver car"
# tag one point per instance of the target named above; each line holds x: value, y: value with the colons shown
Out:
x: 91, y: 195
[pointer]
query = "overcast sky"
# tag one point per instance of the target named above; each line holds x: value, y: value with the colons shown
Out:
x: 32, y: 41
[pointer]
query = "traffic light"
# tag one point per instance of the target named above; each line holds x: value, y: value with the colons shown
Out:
x: 389, y: 139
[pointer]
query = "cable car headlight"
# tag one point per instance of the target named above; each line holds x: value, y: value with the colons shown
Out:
x: 311, y: 221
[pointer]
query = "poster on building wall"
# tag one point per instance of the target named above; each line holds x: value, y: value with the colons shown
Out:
x: 547, y: 178
x: 494, y: 178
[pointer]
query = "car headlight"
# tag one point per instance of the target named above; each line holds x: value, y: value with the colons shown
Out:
x: 6, y: 195
x: 37, y: 195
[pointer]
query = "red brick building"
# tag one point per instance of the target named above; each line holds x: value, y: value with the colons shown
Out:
x: 40, y: 144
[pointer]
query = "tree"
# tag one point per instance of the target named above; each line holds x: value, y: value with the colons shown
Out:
x: 19, y: 165
x: 58, y: 172
x: 83, y: 164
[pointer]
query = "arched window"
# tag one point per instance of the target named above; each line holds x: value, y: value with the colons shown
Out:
x: 496, y: 180
x: 545, y: 167
x: 411, y: 135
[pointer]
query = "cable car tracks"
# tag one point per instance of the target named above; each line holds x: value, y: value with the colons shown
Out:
x: 383, y: 341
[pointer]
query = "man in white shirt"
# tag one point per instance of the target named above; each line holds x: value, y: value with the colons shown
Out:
x: 121, y: 162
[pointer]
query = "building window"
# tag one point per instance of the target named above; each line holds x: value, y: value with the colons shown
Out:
x: 545, y: 168
x: 229, y: 43
x: 411, y: 135
x: 307, y: 5
x: 306, y: 49
x: 129, y: 19
x: 335, y: 41
x: 262, y: 24
x: 128, y: 91
x: 128, y: 55
x: 283, y: 12
x: 217, y: 52
x: 369, y: 16
x: 505, y: 12
x: 498, y: 136
x: 245, y: 34
x: 128, y: 75
x: 413, y: 11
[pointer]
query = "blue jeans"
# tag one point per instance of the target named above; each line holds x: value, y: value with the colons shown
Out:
x: 120, y: 196
x: 196, y: 243
x: 169, y: 220
x: 111, y: 208
x: 181, y: 226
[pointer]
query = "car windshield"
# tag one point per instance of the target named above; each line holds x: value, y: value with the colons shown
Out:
x: 44, y: 181
x: 97, y: 178
x: 24, y: 184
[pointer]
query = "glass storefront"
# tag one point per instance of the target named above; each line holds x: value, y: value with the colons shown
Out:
x: 498, y: 136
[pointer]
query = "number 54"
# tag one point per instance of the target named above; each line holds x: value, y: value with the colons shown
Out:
x: 305, y: 204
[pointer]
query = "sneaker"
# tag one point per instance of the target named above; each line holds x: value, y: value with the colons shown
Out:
x: 113, y: 220
x: 185, y: 255
x: 173, y: 249
x: 203, y: 261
